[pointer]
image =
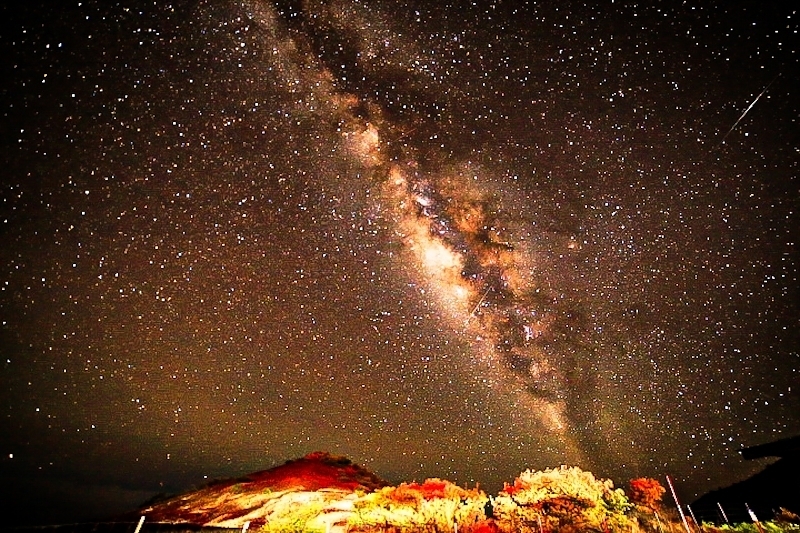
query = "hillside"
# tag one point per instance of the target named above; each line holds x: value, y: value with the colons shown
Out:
x: 321, y: 482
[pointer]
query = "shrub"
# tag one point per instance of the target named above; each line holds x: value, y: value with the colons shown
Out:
x: 562, y: 499
x: 433, y: 505
x: 747, y: 527
x: 646, y: 493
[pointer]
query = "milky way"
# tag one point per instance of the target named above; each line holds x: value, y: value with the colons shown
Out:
x: 443, y: 240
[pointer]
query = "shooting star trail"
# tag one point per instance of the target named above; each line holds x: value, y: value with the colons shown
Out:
x: 748, y: 109
x: 475, y: 309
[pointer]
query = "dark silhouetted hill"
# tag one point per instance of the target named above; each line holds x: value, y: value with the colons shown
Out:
x: 765, y: 493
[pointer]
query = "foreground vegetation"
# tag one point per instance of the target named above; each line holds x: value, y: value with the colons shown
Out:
x: 784, y: 521
x: 556, y: 500
x: 325, y: 493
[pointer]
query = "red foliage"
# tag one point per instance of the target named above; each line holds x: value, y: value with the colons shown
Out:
x: 513, y: 489
x: 431, y: 489
x: 646, y: 492
x: 485, y: 526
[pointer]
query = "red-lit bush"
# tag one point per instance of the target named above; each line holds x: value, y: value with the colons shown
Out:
x: 432, y: 505
x: 483, y: 526
x: 646, y: 492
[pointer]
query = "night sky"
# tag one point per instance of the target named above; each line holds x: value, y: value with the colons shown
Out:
x: 449, y: 240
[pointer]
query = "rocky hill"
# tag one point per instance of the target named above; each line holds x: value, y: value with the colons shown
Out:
x: 324, y: 485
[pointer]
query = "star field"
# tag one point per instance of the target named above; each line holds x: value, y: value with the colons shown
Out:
x: 452, y: 240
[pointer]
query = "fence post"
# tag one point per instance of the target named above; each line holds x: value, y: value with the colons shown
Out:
x: 694, y: 518
x: 754, y: 518
x: 724, y: 516
x: 678, y: 504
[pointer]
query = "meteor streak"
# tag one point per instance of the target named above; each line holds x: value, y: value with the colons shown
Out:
x: 748, y: 109
x: 475, y: 309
